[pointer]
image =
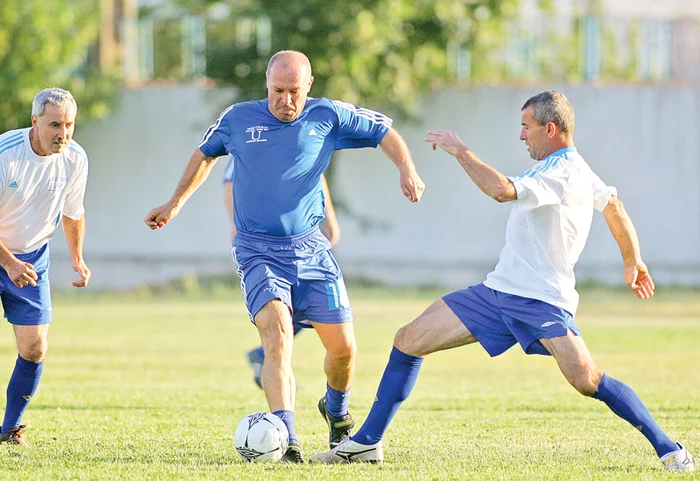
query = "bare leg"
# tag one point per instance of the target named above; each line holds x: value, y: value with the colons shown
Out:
x: 580, y: 370
x: 32, y: 341
x: 339, y: 363
x: 575, y: 362
x: 274, y: 322
x: 436, y: 329
x: 32, y: 344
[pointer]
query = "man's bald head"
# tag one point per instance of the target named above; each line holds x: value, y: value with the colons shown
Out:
x: 289, y: 60
x: 288, y: 84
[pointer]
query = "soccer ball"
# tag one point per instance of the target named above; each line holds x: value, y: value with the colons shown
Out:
x: 261, y: 437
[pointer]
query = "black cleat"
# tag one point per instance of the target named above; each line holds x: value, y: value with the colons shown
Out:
x: 293, y: 454
x: 14, y: 436
x: 340, y: 428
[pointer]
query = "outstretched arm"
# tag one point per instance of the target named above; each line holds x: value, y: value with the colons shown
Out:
x: 488, y: 179
x: 329, y: 225
x: 196, y: 172
x: 396, y: 149
x: 636, y: 273
x: 74, y: 231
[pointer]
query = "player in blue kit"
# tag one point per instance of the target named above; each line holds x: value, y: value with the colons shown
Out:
x: 530, y: 297
x: 329, y: 227
x: 282, y: 146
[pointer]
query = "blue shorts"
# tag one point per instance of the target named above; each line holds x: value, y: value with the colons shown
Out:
x: 29, y: 305
x: 299, y: 270
x: 499, y: 320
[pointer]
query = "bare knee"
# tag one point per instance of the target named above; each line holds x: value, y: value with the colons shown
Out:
x: 586, y: 379
x: 34, y: 351
x: 277, y: 340
x: 403, y: 341
x: 343, y: 352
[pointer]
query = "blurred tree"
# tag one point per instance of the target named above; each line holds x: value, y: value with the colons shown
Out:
x: 378, y: 53
x: 46, y: 44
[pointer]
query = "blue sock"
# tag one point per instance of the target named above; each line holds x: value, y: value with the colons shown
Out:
x: 397, y: 383
x: 22, y: 386
x: 624, y: 402
x: 337, y: 401
x: 287, y: 418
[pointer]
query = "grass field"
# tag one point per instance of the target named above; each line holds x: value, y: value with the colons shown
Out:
x: 151, y: 387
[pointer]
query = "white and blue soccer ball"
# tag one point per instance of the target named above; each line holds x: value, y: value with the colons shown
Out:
x: 261, y: 437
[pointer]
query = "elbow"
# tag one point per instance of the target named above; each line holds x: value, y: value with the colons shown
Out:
x: 500, y: 198
x: 501, y: 194
x: 616, y: 203
x: 615, y: 206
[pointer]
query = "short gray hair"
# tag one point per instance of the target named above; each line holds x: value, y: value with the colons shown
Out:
x: 54, y: 95
x: 552, y: 106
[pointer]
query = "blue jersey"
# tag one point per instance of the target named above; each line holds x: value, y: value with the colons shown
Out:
x: 277, y: 187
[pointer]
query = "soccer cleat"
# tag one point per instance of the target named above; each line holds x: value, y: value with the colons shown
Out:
x: 350, y: 451
x: 293, y: 454
x: 14, y: 436
x: 340, y: 428
x: 680, y: 460
x: 255, y: 361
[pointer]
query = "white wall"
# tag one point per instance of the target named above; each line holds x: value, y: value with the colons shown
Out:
x: 137, y: 155
x: 642, y: 140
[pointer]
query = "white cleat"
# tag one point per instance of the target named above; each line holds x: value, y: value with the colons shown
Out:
x: 678, y: 461
x: 351, y: 452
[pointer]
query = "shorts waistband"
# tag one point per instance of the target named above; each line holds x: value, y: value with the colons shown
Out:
x: 280, y: 240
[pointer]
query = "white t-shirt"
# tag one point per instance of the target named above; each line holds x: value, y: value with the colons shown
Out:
x: 35, y: 191
x: 547, y: 229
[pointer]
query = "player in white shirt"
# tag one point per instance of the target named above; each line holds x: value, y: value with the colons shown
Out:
x: 530, y: 297
x: 43, y: 173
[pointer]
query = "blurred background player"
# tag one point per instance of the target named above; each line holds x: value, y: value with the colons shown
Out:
x: 329, y: 227
x: 530, y: 298
x: 282, y: 146
x: 43, y: 173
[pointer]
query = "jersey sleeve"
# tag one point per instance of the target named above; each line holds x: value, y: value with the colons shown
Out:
x: 601, y: 192
x: 217, y: 135
x: 73, y: 207
x: 541, y: 185
x: 359, y: 127
x: 228, y: 171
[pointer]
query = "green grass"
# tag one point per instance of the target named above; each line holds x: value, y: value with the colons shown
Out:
x: 151, y: 387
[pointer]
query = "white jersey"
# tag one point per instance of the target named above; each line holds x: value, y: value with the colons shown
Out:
x: 548, y: 228
x: 35, y: 191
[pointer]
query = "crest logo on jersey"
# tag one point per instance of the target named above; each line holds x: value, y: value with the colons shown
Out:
x: 57, y: 183
x: 256, y: 133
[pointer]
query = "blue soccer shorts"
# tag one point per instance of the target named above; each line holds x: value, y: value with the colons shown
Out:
x: 298, y: 270
x: 499, y: 320
x: 28, y: 306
